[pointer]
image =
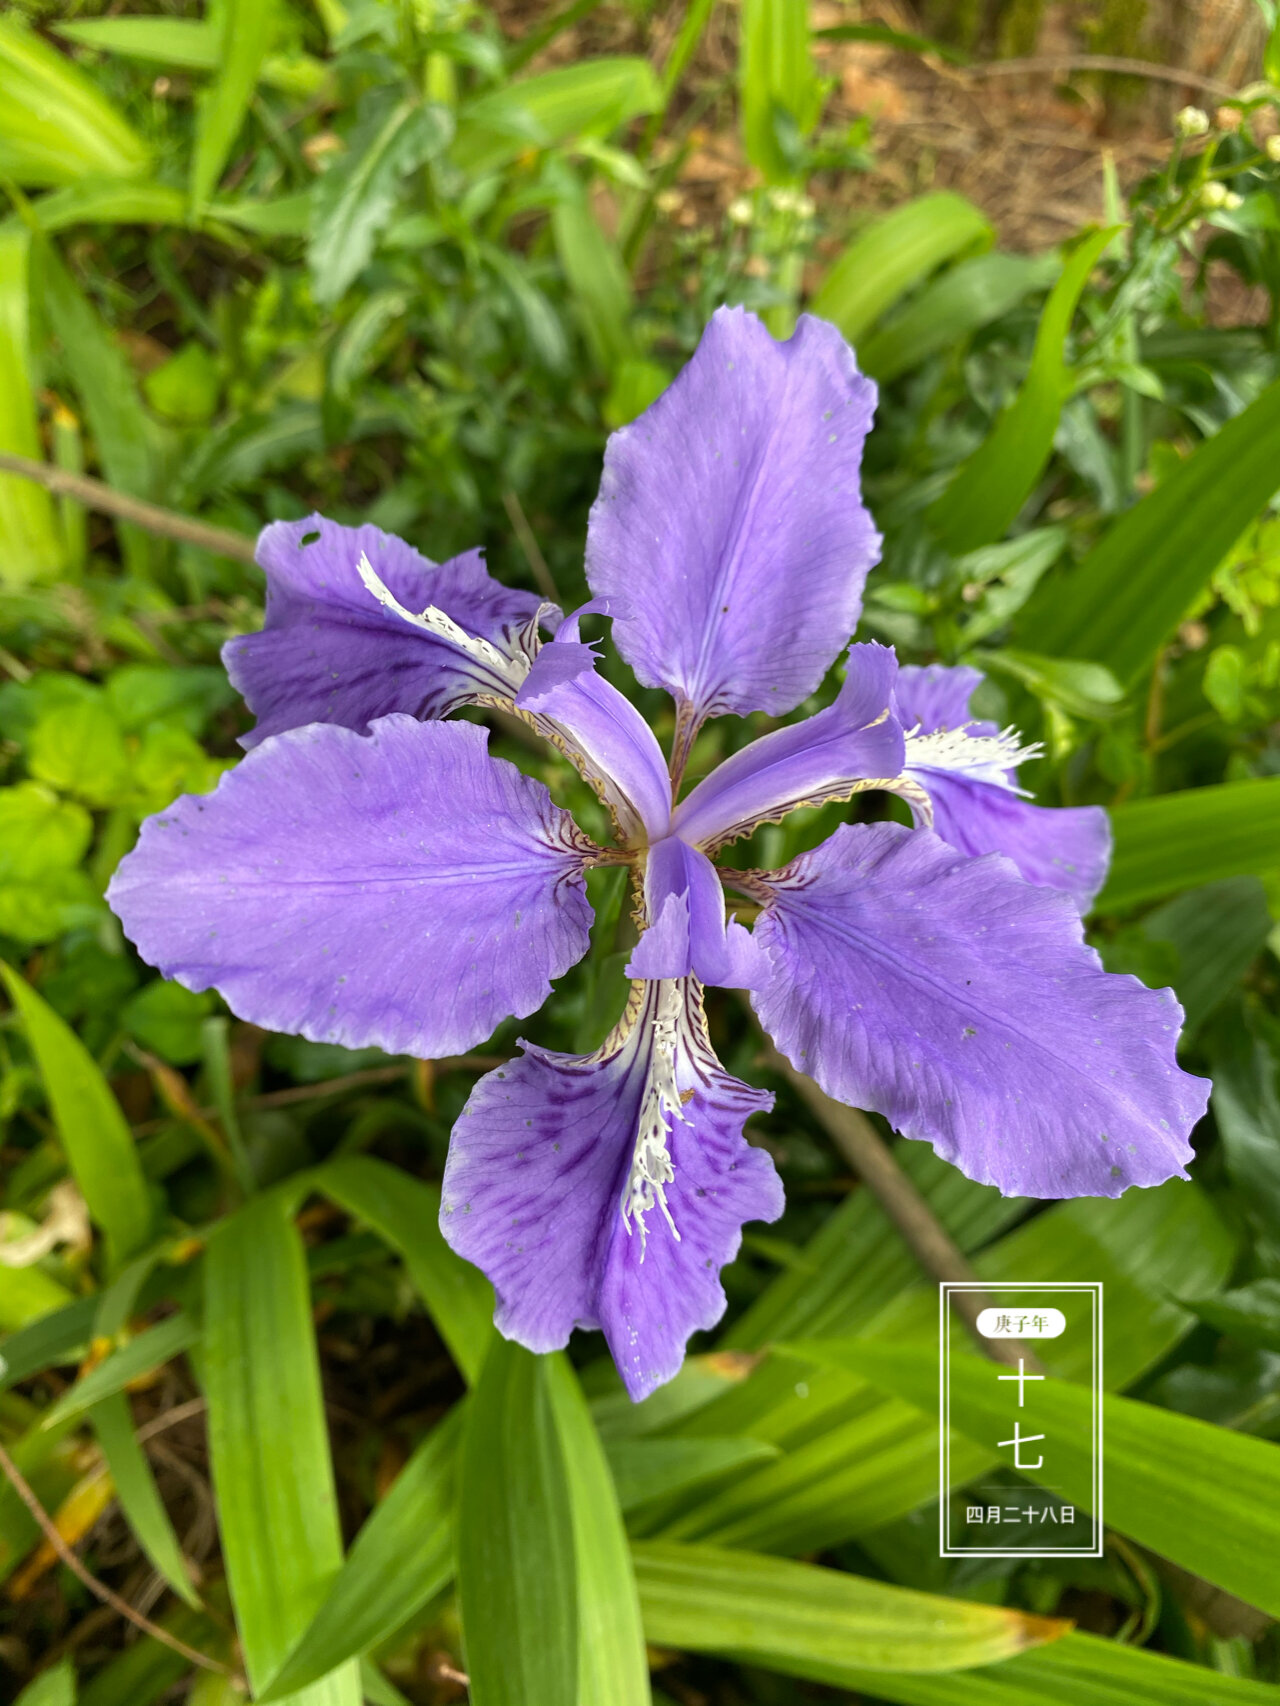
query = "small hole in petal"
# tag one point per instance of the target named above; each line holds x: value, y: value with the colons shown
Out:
x: 309, y: 538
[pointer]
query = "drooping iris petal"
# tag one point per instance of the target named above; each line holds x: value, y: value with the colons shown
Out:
x: 331, y: 653
x: 402, y: 889
x: 971, y: 789
x: 601, y: 731
x: 852, y: 744
x: 549, y: 1150
x: 729, y: 535
x: 962, y: 1004
x: 688, y: 932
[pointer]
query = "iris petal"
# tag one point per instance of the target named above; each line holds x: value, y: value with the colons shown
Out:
x: 688, y: 932
x: 962, y: 1004
x: 401, y: 889
x: 729, y: 535
x: 331, y: 653
x: 545, y: 1155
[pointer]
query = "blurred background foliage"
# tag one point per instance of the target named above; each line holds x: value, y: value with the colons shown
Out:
x: 409, y: 261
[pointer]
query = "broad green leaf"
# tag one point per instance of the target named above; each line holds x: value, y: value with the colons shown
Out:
x: 136, y: 1490
x: 857, y: 1262
x: 611, y: 1653
x: 1246, y: 1109
x: 55, y: 125
x: 648, y: 1469
x: 965, y: 298
x: 80, y: 749
x: 287, y: 216
x: 268, y: 1443
x: 189, y: 44
x: 92, y: 1130
x: 517, y: 1578
x: 802, y: 1620
x: 1202, y: 1496
x: 110, y: 201
x: 593, y: 98
x: 1123, y: 601
x: 33, y: 548
x: 150, y: 1350
x: 852, y: 1462
x: 406, y: 1212
x: 245, y: 29
x: 1180, y: 841
x: 1216, y: 932
x: 884, y: 262
x: 1250, y: 1315
x: 353, y: 201
x: 597, y: 278
x: 57, y: 1338
x: 28, y: 1295
x: 42, y: 841
x: 780, y: 91
x: 55, y: 1687
x: 988, y: 490
x: 401, y: 1558
x: 1078, y: 1670
x: 124, y: 438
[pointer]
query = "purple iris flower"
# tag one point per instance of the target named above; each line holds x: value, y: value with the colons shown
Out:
x: 369, y: 874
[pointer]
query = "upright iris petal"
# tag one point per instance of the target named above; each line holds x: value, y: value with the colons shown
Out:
x: 854, y: 744
x: 688, y: 932
x: 729, y: 536
x: 962, y: 1004
x: 965, y: 769
x: 401, y: 889
x: 331, y: 653
x: 608, y: 1190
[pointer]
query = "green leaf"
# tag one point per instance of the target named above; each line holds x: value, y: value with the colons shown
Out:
x: 33, y: 548
x: 1246, y: 1109
x: 91, y: 1128
x: 904, y: 40
x: 406, y: 1212
x: 167, y: 1019
x: 1123, y: 601
x: 517, y: 1581
x: 781, y: 94
x: 110, y: 201
x: 647, y: 1469
x: 1178, y: 841
x: 401, y: 1558
x: 80, y: 749
x: 268, y: 1444
x: 246, y: 28
x: 55, y: 125
x: 142, y: 1355
x: 124, y: 438
x: 354, y: 200
x: 185, y: 388
x: 1223, y: 1525
x: 1080, y: 689
x: 611, y: 1653
x: 592, y: 97
x: 189, y: 44
x: 988, y: 490
x: 57, y: 1338
x: 1078, y: 1670
x: 808, y: 1622
x: 42, y: 841
x: 138, y: 1495
x: 55, y: 1687
x: 895, y: 253
x: 966, y: 297
x: 597, y: 278
x: 1216, y: 932
x: 1251, y: 1315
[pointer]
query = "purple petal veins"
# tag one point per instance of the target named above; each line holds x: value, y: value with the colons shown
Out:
x: 729, y: 535
x: 962, y: 1004
x: 330, y: 653
x: 588, y: 1201
x: 965, y: 772
x: 402, y: 889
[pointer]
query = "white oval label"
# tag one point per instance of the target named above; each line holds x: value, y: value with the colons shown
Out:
x: 1021, y: 1323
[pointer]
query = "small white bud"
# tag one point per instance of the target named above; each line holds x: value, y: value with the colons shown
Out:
x: 806, y: 206
x: 1272, y: 147
x: 668, y: 201
x: 1191, y: 121
x: 783, y: 201
x: 1232, y: 201
x: 741, y: 211
x: 1214, y: 194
